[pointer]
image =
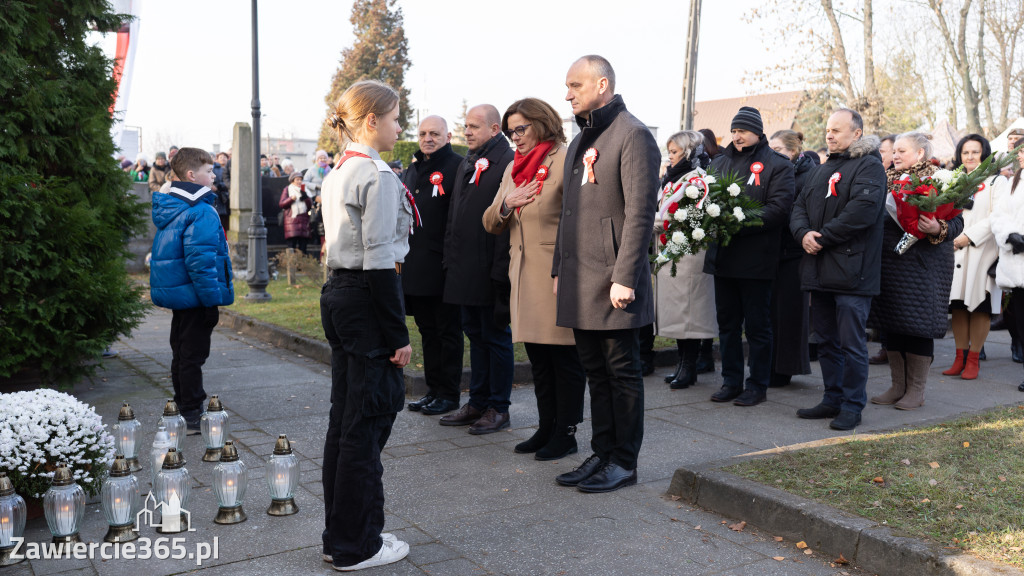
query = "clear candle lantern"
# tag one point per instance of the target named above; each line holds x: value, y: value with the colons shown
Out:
x: 230, y: 479
x: 121, y: 501
x: 13, y: 513
x: 64, y: 505
x: 161, y: 444
x: 174, y: 422
x: 127, y: 436
x: 172, y: 490
x: 282, y: 478
x: 214, y: 426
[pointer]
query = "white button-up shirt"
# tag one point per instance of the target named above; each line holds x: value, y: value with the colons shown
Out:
x: 367, y: 217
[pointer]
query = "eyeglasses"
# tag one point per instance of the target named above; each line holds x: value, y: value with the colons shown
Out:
x: 518, y: 130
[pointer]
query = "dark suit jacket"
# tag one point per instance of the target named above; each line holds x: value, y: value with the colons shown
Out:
x: 422, y: 273
x: 606, y: 225
x: 472, y: 257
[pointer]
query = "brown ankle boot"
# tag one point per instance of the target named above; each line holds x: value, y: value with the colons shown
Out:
x: 899, y: 381
x: 917, y: 377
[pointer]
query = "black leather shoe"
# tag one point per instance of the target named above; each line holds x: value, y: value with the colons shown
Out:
x: 705, y: 358
x: 749, y: 398
x: 439, y: 406
x: 1021, y: 387
x: 608, y: 479
x: 670, y: 377
x: 417, y: 405
x: 818, y: 412
x: 725, y: 394
x: 845, y: 421
x: 589, y: 467
x: 1016, y: 354
x: 981, y: 355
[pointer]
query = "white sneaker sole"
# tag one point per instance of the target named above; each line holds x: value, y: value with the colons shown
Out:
x: 385, y: 535
x: 390, y: 552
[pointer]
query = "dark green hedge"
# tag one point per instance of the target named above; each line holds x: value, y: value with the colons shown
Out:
x: 64, y: 211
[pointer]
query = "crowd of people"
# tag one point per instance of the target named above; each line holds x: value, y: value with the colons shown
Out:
x: 548, y: 242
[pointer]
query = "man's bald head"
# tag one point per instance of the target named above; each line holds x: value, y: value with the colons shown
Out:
x: 483, y: 122
x: 591, y: 84
x: 433, y: 134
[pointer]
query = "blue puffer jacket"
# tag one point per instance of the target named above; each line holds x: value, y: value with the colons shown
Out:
x: 190, y: 266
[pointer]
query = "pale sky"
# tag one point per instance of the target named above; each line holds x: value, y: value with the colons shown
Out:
x: 192, y: 76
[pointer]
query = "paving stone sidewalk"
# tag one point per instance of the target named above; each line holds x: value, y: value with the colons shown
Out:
x: 468, y: 505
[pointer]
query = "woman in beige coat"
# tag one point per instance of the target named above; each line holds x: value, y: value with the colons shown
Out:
x: 529, y: 203
x: 685, y: 304
x: 974, y: 296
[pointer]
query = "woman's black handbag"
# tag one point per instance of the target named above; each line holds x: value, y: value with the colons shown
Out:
x: 992, y: 268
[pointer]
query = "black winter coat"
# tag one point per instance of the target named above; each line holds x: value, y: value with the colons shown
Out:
x: 914, y: 296
x: 791, y: 248
x: 472, y: 257
x: 850, y: 223
x: 422, y: 273
x: 754, y: 252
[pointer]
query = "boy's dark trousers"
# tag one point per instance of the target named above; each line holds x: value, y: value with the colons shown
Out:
x: 190, y: 347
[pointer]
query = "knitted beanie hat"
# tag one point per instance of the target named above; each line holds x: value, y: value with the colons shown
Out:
x: 748, y: 119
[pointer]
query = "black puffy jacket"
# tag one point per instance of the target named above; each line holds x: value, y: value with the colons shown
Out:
x: 850, y: 223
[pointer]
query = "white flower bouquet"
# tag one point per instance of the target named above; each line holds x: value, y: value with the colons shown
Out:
x: 700, y: 208
x: 39, y: 429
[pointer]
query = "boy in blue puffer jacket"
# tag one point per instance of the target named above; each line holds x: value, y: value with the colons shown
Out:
x: 190, y: 273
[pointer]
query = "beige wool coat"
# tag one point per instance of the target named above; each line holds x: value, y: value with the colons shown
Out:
x: 971, y: 282
x: 684, y: 306
x: 532, y: 235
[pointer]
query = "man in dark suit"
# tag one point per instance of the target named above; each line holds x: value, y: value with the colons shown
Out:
x: 602, y: 277
x: 431, y: 179
x: 476, y: 275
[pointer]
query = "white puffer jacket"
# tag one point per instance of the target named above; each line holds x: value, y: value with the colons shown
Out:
x: 1008, y: 218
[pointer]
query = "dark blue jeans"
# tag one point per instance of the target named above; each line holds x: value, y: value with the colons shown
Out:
x: 490, y: 358
x: 744, y: 306
x: 840, y: 320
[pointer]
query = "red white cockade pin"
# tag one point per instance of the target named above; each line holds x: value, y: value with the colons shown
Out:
x: 436, y: 179
x: 755, y: 174
x: 588, y: 162
x: 542, y: 174
x: 836, y: 176
x: 481, y: 165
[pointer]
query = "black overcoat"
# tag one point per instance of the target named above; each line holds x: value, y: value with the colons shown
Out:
x: 474, y: 259
x: 422, y: 273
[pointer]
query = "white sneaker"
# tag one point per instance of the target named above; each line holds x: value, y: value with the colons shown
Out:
x: 387, y: 536
x: 390, y: 551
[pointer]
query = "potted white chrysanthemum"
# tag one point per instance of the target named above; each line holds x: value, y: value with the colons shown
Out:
x: 41, y: 428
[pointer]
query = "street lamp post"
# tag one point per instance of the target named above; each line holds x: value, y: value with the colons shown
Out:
x: 256, y: 276
x: 690, y: 67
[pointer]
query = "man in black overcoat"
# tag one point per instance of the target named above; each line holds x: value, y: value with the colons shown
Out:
x: 431, y: 179
x: 476, y: 275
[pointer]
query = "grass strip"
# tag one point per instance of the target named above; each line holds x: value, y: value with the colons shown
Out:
x: 959, y: 484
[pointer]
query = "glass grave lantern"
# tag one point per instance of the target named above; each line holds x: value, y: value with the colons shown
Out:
x: 174, y: 422
x: 230, y: 479
x: 161, y: 443
x: 64, y: 505
x: 121, y: 501
x: 282, y: 478
x: 214, y: 426
x: 127, y: 436
x: 172, y: 490
x: 12, y: 519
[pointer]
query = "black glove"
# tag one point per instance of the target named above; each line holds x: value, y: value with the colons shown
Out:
x: 1017, y: 241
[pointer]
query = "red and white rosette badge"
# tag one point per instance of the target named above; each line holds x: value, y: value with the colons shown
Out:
x: 755, y: 174
x: 836, y: 176
x: 436, y: 179
x: 481, y: 165
x: 589, y: 158
x: 981, y: 188
x: 542, y: 174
